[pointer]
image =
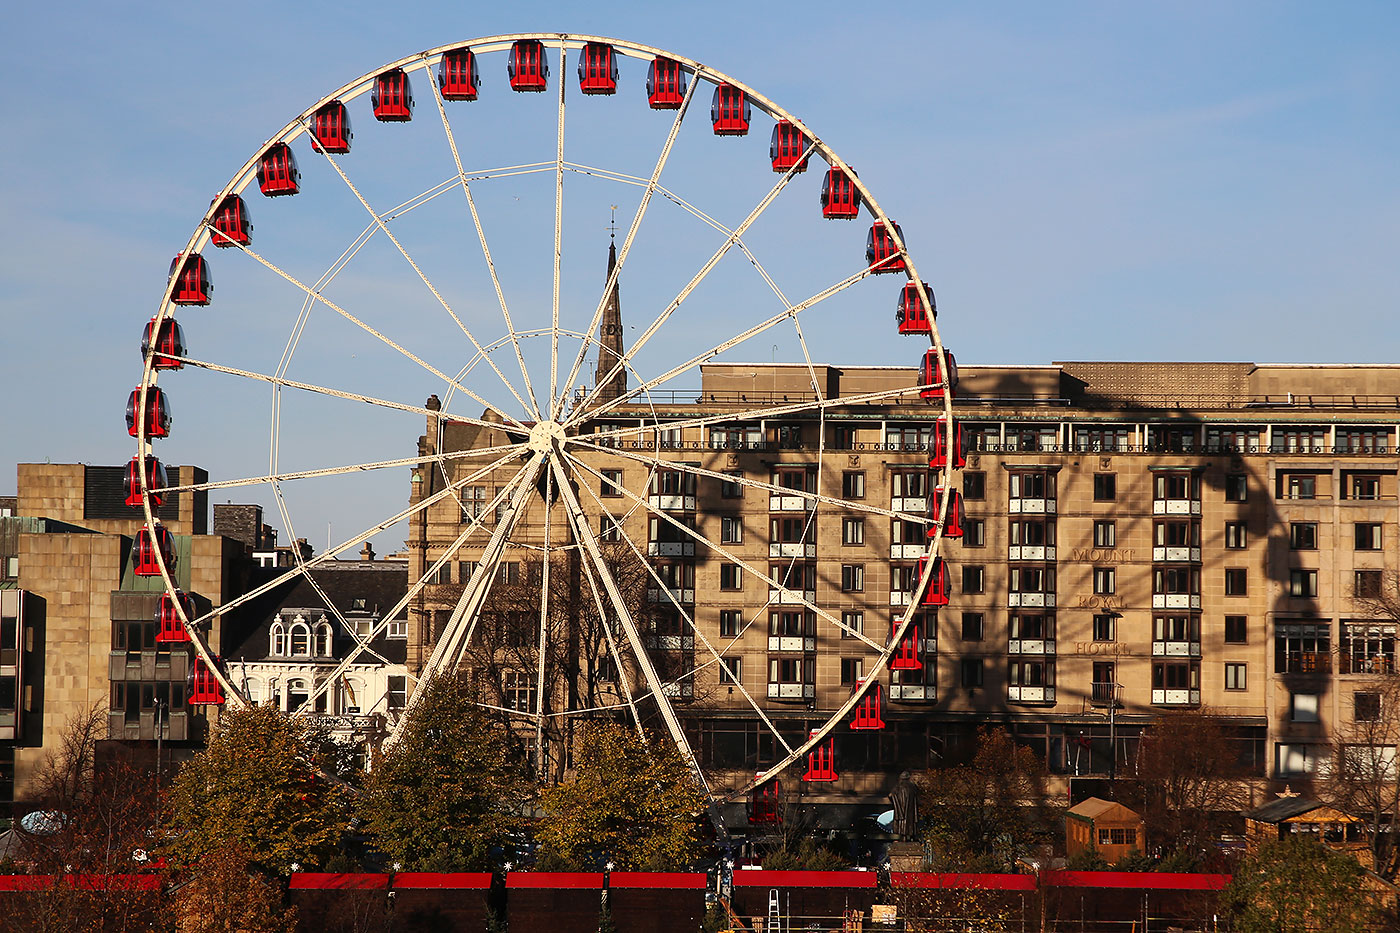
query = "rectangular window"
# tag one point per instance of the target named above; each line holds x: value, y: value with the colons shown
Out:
x: 1235, y: 676
x: 1236, y: 582
x: 971, y: 671
x: 473, y: 501
x: 732, y: 488
x: 731, y: 530
x: 974, y: 532
x: 908, y: 484
x: 1236, y: 535
x: 1302, y: 647
x: 517, y: 691
x: 1298, y: 759
x: 1176, y: 484
x: 611, y: 532
x: 1236, y: 487
x: 1105, y: 580
x: 611, y: 484
x: 1299, y: 486
x: 1367, y: 648
x: 730, y: 622
x: 852, y: 670
x: 1176, y: 581
x: 1302, y: 583
x: 974, y: 486
x: 1176, y: 675
x: 854, y: 623
x: 1105, y: 487
x: 1303, y: 707
x: 853, y: 484
x: 1367, y: 584
x: 731, y: 577
x: 972, y: 626
x: 1105, y: 534
x: 1366, y: 707
x: 1302, y: 536
x: 1368, y: 536
x: 852, y: 578
x: 972, y: 578
x: 1031, y: 484
x: 852, y: 532
x: 1104, y: 627
x: 731, y: 670
x: 1236, y: 630
x: 1365, y: 487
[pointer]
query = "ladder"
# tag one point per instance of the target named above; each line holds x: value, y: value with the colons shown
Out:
x: 775, y: 914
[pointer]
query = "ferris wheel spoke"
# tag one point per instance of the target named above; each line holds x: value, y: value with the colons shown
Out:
x: 558, y: 241
x: 542, y: 651
x: 481, y: 238
x: 615, y: 274
x: 382, y: 338
x: 604, y: 623
x: 733, y: 238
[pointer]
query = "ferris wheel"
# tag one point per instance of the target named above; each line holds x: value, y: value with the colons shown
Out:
x: 456, y: 247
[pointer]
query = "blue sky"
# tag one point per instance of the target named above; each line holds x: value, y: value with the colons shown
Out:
x: 1077, y: 181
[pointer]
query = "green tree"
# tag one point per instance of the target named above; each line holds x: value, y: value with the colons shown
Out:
x: 255, y: 787
x: 1296, y: 885
x: 228, y: 895
x: 449, y: 794
x: 632, y: 801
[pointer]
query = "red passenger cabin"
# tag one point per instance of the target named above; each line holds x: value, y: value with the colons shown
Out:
x: 231, y: 223
x: 277, y: 171
x: 840, y: 197
x: 392, y: 97
x: 330, y: 128
x: 166, y: 344
x: 821, y: 761
x: 937, y: 592
x: 205, y: 689
x: 764, y: 807
x: 952, y: 522
x: 730, y: 111
x: 170, y: 629
x: 881, y: 251
x: 907, y: 656
x: 458, y: 78
x: 665, y: 84
x: 143, y: 556
x: 597, y: 69
x: 193, y: 283
x: 787, y: 147
x: 157, y: 412
x: 155, y: 479
x: 938, y: 447
x: 910, y: 315
x: 869, y: 714
x: 933, y: 382
x: 527, y: 67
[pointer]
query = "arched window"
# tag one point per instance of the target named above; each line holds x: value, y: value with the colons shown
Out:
x: 298, y: 692
x: 278, y: 639
x: 323, y: 640
x: 301, y: 639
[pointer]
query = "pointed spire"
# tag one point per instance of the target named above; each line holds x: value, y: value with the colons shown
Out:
x: 610, y: 334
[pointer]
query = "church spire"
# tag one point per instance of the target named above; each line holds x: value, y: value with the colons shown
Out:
x: 610, y: 336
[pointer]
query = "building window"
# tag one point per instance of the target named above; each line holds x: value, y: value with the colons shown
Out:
x: 1236, y: 487
x: 1302, y: 647
x: 279, y: 644
x: 1176, y: 628
x: 301, y: 640
x: 852, y: 532
x: 731, y: 529
x: 324, y: 639
x: 298, y: 694
x: 1298, y: 759
x: 508, y: 572
x: 1105, y: 487
x: 1367, y: 584
x: 852, y: 578
x: 972, y: 578
x: 1299, y: 486
x: 731, y: 670
x: 1367, y: 648
x: 852, y: 670
x: 1303, y: 707
x: 398, y: 629
x: 1365, y: 487
x: 1236, y: 629
x: 971, y: 672
x: 1103, y: 687
x: 1236, y: 582
x: 972, y: 626
x: 1368, y: 536
x: 1027, y: 672
x: 1176, y: 675
x: 730, y: 621
x: 1176, y: 581
x: 443, y: 574
x: 854, y: 622
x: 853, y: 484
x: 1302, y: 536
x: 974, y: 533
x: 611, y: 484
x: 1105, y: 580
x: 1104, y: 627
x: 1235, y: 676
x: 517, y: 691
x: 1302, y: 583
x: 732, y: 488
x: 1236, y: 535
x: 731, y: 577
x: 1105, y: 534
x: 611, y: 532
x: 473, y: 502
x: 974, y: 486
x: 1032, y: 484
x: 1366, y: 707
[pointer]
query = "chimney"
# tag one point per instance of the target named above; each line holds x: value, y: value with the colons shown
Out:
x: 367, y: 552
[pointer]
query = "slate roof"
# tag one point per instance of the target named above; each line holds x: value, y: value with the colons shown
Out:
x: 1276, y: 811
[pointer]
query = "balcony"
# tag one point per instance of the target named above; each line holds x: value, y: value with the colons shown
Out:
x: 1033, y: 646
x: 913, y: 693
x: 1181, y: 697
x: 1030, y: 694
x: 1176, y: 649
x: 672, y: 503
x: 783, y: 691
x: 1031, y: 507
x: 1176, y: 601
x: 793, y: 549
x: 670, y: 548
x: 1176, y: 506
x: 1104, y: 693
x: 792, y: 643
x: 1179, y: 555
x: 1030, y: 600
x: 780, y: 503
x: 785, y: 597
x: 1031, y: 552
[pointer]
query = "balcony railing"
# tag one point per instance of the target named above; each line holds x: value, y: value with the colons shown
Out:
x: 1360, y: 664
x: 1305, y: 662
x: 1104, y: 693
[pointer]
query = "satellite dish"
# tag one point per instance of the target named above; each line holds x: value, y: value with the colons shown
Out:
x: 43, y: 822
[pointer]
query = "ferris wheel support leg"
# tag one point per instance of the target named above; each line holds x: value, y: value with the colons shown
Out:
x: 585, y: 537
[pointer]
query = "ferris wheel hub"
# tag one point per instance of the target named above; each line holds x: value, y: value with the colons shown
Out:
x: 546, y: 436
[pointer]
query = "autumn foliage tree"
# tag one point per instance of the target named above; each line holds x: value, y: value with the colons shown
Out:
x: 1297, y: 885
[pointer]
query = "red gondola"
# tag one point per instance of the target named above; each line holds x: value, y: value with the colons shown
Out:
x: 869, y: 714
x: 937, y: 592
x: 938, y: 447
x: 527, y: 67
x: 277, y: 171
x: 906, y: 654
x: 330, y: 128
x: 932, y: 380
x: 171, y: 629
x: 665, y: 84
x: 730, y: 111
x: 144, y: 553
x: 952, y: 522
x: 168, y: 344
x: 764, y: 807
x: 157, y: 412
x: 821, y: 761
x: 597, y: 69
x: 392, y: 97
x: 840, y: 197
x: 458, y: 78
x: 787, y: 147
x: 194, y: 285
x: 881, y: 251
x: 155, y: 479
x: 910, y: 315
x: 231, y: 223
x: 205, y: 689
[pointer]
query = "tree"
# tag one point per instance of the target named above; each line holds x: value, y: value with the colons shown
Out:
x: 1189, y: 780
x: 256, y: 786
x: 631, y: 801
x: 227, y: 894
x: 925, y: 909
x: 1296, y: 885
x: 451, y: 792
